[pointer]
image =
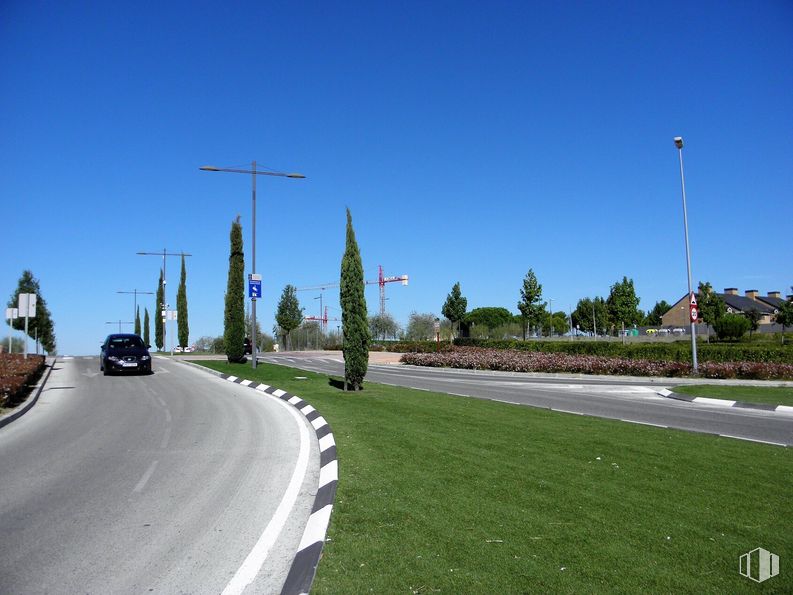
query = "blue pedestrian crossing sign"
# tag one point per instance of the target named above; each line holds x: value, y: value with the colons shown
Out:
x: 254, y: 286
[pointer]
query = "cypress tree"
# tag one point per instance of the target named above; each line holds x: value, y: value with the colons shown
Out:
x: 181, y: 307
x: 146, y: 335
x: 159, y: 327
x: 137, y: 321
x: 234, y: 316
x: 354, y: 320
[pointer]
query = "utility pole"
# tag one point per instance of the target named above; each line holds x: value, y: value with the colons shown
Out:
x: 137, y: 292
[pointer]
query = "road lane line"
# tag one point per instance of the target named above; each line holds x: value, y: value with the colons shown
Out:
x: 146, y: 477
x: 565, y: 411
x: 253, y: 563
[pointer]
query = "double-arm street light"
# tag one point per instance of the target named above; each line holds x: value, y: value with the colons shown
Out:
x: 119, y: 323
x: 679, y: 145
x: 164, y: 306
x: 253, y: 173
x: 136, y: 293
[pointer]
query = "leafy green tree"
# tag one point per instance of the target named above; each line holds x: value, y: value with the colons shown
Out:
x: 183, y: 327
x: 489, y: 317
x: 560, y: 323
x: 584, y: 312
x: 623, y: 305
x: 41, y: 325
x: 137, y: 321
x: 785, y: 315
x: 289, y: 314
x: 146, y: 326
x: 234, y: 315
x: 753, y: 316
x: 454, y: 307
x: 653, y: 317
x: 530, y: 306
x: 421, y: 327
x: 353, y: 313
x: 711, y: 307
x: 731, y: 327
x: 383, y: 326
x: 159, y: 327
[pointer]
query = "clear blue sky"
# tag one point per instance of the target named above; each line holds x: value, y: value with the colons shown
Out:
x: 472, y: 141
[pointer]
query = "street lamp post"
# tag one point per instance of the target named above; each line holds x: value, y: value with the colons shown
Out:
x: 119, y: 323
x: 164, y: 306
x: 136, y: 293
x: 253, y: 172
x: 679, y: 145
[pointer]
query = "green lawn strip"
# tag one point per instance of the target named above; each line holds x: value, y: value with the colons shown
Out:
x: 455, y: 495
x: 768, y: 395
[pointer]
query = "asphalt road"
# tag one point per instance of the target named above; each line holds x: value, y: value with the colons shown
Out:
x: 630, y: 400
x: 163, y: 483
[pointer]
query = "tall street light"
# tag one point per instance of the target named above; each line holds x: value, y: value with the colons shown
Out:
x: 253, y: 172
x: 164, y: 306
x: 136, y: 293
x: 119, y: 323
x: 679, y: 145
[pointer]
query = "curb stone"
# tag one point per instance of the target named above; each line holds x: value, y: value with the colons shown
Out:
x: 304, y: 565
x: 49, y: 363
x: 724, y: 402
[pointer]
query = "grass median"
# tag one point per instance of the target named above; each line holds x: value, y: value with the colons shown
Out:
x: 456, y: 495
x: 767, y: 395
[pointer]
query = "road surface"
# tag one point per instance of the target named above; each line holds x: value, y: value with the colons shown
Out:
x: 163, y: 483
x: 630, y: 400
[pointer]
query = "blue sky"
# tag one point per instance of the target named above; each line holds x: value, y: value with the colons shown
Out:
x: 471, y: 141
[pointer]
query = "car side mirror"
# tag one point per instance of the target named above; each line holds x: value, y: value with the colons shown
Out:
x: 148, y: 346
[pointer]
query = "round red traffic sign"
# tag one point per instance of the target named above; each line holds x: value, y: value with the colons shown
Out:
x: 694, y: 313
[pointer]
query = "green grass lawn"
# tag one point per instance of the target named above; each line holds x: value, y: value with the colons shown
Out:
x: 455, y: 495
x: 771, y: 395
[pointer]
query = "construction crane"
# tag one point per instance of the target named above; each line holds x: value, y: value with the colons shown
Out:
x: 323, y: 320
x: 381, y: 281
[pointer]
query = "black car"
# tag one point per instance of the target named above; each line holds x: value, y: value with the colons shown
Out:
x: 248, y: 346
x: 124, y: 353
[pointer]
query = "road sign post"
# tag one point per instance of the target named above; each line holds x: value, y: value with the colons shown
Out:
x: 11, y: 315
x: 27, y: 306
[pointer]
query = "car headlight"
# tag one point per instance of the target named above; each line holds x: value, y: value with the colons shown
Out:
x: 145, y: 358
x: 113, y: 358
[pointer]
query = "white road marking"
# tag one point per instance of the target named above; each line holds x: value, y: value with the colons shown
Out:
x: 644, y: 423
x: 784, y: 409
x: 146, y: 476
x: 565, y: 411
x: 253, y: 563
x: 709, y: 401
x: 508, y: 402
x: 754, y: 440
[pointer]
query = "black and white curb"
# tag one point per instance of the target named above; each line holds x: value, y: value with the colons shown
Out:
x: 724, y: 402
x: 304, y: 565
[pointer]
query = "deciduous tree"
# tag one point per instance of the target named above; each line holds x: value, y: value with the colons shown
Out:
x: 530, y: 304
x: 289, y: 314
x: 623, y: 305
x: 785, y: 315
x: 383, y: 326
x: 421, y: 327
x: 454, y: 307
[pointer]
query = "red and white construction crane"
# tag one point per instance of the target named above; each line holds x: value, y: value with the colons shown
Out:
x: 381, y: 281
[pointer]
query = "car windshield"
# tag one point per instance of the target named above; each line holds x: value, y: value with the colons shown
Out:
x: 125, y: 343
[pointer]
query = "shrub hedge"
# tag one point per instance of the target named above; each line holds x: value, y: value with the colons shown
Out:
x: 679, y: 351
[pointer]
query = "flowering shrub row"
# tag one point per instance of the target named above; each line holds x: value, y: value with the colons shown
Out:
x: 678, y: 351
x: 15, y: 373
x: 477, y: 358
